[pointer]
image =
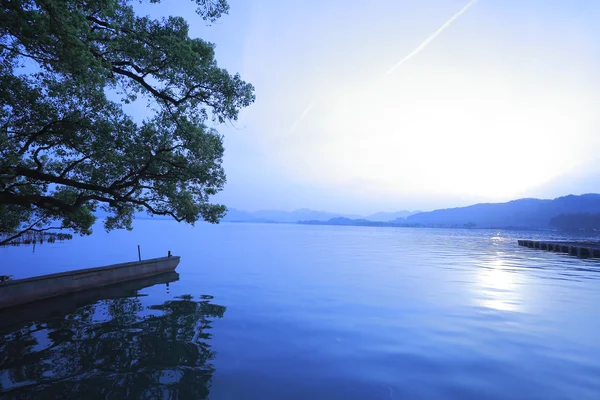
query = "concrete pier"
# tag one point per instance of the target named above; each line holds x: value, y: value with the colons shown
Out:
x: 59, y: 306
x: 577, y: 249
x: 22, y: 291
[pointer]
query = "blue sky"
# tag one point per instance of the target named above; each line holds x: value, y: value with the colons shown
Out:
x: 502, y: 103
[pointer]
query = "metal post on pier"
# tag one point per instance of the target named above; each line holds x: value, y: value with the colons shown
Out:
x: 139, y: 253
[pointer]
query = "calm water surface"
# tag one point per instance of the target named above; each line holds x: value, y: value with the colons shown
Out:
x: 309, y: 312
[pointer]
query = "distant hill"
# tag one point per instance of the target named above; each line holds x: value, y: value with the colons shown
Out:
x: 277, y: 216
x: 576, y: 222
x: 565, y: 213
x: 234, y: 215
x: 522, y: 213
x: 305, y: 215
x: 347, y: 222
x: 389, y: 216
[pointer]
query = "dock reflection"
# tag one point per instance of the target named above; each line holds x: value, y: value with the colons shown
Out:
x: 109, y: 344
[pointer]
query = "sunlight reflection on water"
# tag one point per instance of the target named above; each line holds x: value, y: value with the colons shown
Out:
x: 497, y: 286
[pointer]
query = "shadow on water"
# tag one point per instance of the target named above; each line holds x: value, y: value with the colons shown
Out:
x: 108, y: 344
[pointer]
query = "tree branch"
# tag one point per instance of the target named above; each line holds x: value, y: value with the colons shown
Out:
x: 39, y: 164
x: 19, y: 234
x: 29, y: 173
x: 72, y: 166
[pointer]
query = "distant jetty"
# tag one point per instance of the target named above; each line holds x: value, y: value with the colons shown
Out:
x: 22, y: 291
x: 579, y: 249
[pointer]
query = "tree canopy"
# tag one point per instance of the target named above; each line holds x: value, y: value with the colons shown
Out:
x: 69, y: 149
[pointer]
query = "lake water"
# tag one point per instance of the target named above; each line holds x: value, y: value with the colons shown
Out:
x: 310, y: 312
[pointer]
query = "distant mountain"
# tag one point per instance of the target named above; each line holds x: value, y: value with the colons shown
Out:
x: 304, y: 214
x: 389, y: 216
x: 522, y: 213
x: 576, y: 222
x: 277, y: 216
x: 349, y: 222
x: 235, y: 215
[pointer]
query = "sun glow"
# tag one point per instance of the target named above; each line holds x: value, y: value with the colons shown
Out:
x: 491, y: 110
x: 399, y: 136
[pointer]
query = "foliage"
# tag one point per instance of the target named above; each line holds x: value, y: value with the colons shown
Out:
x: 33, y: 237
x: 67, y: 150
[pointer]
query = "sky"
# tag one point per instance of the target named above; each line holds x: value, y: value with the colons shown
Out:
x: 395, y: 104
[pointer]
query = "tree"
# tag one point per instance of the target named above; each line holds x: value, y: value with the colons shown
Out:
x: 67, y: 150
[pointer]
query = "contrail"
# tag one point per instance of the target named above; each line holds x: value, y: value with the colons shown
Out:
x: 410, y: 55
x: 301, y: 117
x: 430, y: 38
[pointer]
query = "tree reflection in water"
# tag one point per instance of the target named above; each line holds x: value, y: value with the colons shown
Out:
x: 112, y: 349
